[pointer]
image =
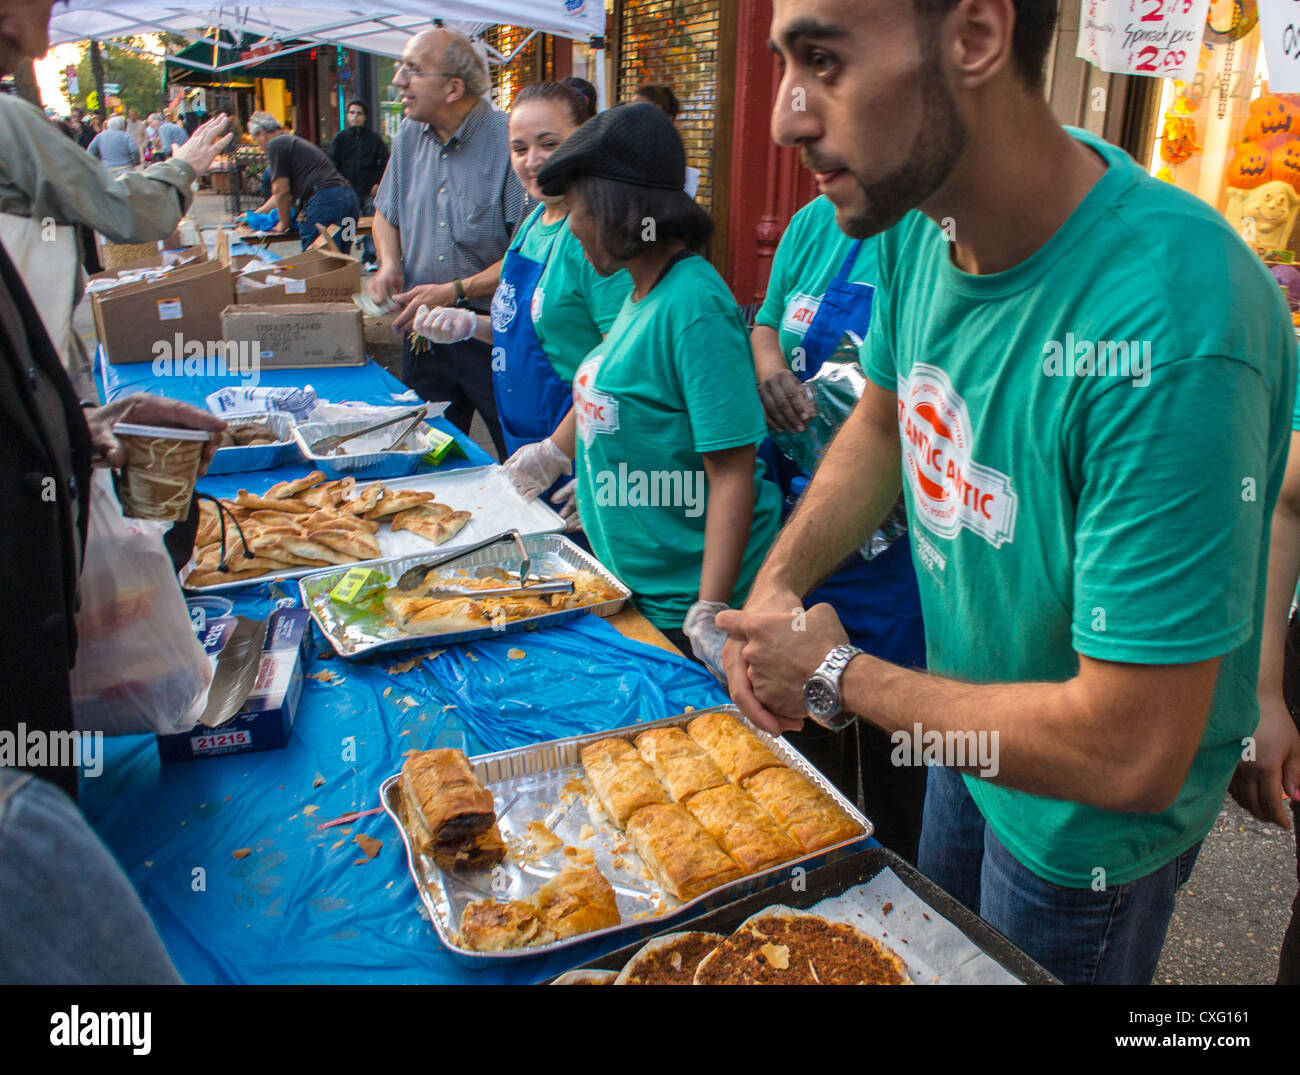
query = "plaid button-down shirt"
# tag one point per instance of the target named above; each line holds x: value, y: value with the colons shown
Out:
x: 456, y: 203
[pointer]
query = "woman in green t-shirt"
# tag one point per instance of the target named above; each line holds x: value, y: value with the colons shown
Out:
x: 550, y: 306
x: 665, y: 416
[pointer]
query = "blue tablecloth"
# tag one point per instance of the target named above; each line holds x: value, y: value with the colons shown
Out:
x: 305, y: 905
x: 370, y: 383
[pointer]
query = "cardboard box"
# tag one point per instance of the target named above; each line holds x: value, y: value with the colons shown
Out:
x: 300, y: 335
x: 265, y: 721
x: 187, y: 302
x: 313, y: 276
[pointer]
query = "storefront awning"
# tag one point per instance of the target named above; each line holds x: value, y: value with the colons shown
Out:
x: 383, y: 29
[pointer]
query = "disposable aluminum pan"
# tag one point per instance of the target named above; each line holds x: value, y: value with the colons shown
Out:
x: 544, y: 783
x: 366, y: 457
x: 239, y: 458
x: 352, y: 637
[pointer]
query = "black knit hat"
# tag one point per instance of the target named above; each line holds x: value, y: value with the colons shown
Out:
x: 633, y: 143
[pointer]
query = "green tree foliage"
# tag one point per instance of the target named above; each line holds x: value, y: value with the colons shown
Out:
x: 139, y: 76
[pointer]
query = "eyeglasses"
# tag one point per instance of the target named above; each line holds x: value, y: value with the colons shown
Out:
x: 406, y: 70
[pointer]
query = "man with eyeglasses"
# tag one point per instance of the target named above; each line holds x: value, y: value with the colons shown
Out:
x: 446, y: 209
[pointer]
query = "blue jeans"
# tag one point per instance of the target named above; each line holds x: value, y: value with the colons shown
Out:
x: 68, y: 914
x: 333, y: 205
x: 1111, y: 937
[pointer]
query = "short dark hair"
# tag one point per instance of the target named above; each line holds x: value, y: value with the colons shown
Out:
x: 361, y: 105
x: 557, y: 93
x: 620, y: 211
x: 1035, y: 23
x: 585, y: 88
x: 662, y: 97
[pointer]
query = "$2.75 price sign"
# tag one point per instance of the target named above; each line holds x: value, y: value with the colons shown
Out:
x: 1160, y: 38
x: 1279, y: 25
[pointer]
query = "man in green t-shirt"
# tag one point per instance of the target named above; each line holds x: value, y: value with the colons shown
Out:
x: 1090, y: 451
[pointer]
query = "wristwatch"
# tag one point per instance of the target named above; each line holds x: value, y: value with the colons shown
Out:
x: 821, y: 694
x: 459, y: 287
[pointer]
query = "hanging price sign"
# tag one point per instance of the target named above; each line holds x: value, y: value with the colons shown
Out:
x: 1161, y: 38
x: 1279, y: 26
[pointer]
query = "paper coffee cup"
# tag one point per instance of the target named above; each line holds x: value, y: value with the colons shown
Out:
x: 162, y: 464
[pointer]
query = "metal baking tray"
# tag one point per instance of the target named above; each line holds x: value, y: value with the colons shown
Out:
x: 485, y: 491
x: 239, y: 458
x: 541, y: 783
x: 360, y: 463
x: 550, y: 553
x: 832, y: 880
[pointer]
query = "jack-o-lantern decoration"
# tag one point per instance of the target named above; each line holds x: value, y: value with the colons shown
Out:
x: 1272, y: 122
x: 1178, y: 139
x: 1285, y: 164
x: 1250, y: 168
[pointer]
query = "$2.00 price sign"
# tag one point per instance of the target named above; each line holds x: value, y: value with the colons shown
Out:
x: 1161, y: 38
x: 1279, y: 25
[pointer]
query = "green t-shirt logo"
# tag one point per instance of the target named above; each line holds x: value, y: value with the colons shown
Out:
x: 596, y: 411
x: 949, y: 489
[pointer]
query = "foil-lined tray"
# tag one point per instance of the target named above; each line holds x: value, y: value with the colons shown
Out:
x: 238, y: 458
x: 544, y: 784
x: 356, y: 633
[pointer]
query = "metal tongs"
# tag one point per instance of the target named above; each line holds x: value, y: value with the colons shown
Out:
x: 414, y: 577
x: 328, y: 444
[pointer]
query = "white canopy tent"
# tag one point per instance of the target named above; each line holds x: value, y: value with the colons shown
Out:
x: 383, y: 29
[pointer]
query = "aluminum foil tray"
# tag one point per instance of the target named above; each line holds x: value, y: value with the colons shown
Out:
x: 352, y: 637
x: 237, y: 459
x: 485, y: 491
x: 361, y: 463
x: 544, y: 783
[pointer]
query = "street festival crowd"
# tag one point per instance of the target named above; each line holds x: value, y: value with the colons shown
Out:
x: 1072, y: 564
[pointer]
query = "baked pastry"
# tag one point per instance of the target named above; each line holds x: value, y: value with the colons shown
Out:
x: 683, y: 857
x: 669, y: 960
x: 392, y: 503
x: 285, y: 490
x: 737, y: 751
x: 489, y: 926
x: 473, y: 853
x: 445, y: 801
x: 801, y: 808
x: 678, y: 761
x: 621, y: 780
x: 784, y: 948
x: 433, y: 522
x: 744, y: 829
x: 576, y: 900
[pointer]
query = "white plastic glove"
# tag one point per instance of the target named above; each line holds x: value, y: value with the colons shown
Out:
x: 566, y: 500
x: 444, y: 324
x: 707, y: 638
x: 534, y: 467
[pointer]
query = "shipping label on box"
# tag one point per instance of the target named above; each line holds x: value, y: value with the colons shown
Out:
x: 265, y: 721
x: 298, y: 336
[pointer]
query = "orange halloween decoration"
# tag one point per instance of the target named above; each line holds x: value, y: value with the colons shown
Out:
x: 1250, y: 168
x: 1178, y: 139
x: 1285, y: 164
x: 1272, y: 122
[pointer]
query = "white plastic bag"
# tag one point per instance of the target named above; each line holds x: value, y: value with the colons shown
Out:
x: 140, y: 666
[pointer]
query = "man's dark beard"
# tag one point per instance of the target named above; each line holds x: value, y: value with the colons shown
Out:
x: 940, y: 142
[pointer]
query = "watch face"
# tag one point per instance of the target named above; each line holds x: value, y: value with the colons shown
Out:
x: 820, y: 696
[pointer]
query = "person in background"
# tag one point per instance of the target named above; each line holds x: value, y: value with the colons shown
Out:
x: 135, y: 127
x: 663, y: 98
x: 668, y: 394
x: 816, y: 315
x: 587, y: 90
x: 446, y: 210
x: 114, y: 147
x: 551, y: 306
x: 1273, y: 768
x: 85, y: 130
x: 361, y: 155
x: 170, y: 135
x: 54, y: 870
x: 302, y: 174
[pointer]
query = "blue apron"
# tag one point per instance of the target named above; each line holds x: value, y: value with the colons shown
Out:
x: 531, y: 397
x: 877, y: 600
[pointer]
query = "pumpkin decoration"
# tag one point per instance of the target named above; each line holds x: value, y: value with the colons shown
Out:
x: 1250, y: 168
x: 1178, y: 139
x: 1272, y: 122
x: 1285, y: 164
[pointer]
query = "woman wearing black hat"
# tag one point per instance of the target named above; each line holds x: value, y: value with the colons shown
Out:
x: 666, y: 413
